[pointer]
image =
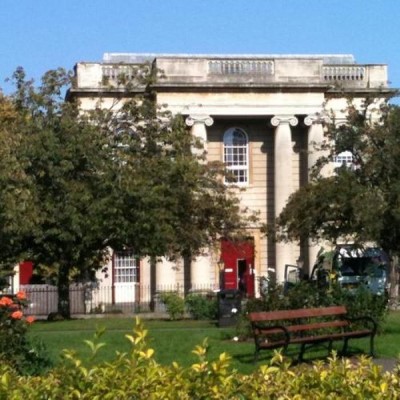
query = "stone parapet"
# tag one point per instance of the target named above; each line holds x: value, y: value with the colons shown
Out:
x: 253, y: 71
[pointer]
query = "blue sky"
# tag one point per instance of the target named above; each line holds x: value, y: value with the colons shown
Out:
x: 45, y: 34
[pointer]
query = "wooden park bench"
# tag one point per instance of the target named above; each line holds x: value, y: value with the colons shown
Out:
x: 307, y: 327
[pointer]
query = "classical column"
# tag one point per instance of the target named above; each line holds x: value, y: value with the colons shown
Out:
x: 200, y: 265
x: 200, y: 272
x: 283, y: 153
x: 199, y: 130
x: 165, y: 275
x: 315, y: 140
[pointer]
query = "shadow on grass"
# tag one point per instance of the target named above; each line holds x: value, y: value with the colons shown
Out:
x: 318, y: 352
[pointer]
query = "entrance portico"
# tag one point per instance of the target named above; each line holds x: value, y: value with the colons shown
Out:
x: 280, y: 177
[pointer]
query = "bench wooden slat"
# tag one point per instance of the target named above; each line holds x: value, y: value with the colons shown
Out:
x: 315, y: 339
x: 331, y: 336
x: 296, y: 314
x: 305, y: 327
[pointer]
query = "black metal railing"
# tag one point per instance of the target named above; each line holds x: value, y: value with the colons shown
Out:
x: 90, y: 298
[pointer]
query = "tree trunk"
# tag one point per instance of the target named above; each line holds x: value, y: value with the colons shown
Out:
x: 153, y: 283
x: 393, y: 278
x: 63, y: 292
x: 187, y: 278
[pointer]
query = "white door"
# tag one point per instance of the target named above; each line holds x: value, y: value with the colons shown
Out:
x: 125, y: 276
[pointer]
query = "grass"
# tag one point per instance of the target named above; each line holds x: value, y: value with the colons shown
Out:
x: 175, y: 340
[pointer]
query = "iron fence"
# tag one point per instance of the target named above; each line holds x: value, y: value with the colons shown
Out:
x: 95, y: 299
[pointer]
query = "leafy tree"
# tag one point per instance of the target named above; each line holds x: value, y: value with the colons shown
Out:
x: 116, y: 178
x: 69, y: 168
x: 17, y: 209
x: 361, y: 202
x: 173, y: 202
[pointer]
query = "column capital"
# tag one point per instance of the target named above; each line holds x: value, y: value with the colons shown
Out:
x: 284, y: 119
x: 199, y: 119
x: 316, y: 118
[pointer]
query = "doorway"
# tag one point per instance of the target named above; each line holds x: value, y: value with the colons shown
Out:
x: 238, y: 258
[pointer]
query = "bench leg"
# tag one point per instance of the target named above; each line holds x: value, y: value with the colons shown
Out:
x: 345, y: 346
x: 371, y: 346
x: 285, y: 347
x: 256, y: 355
x: 302, y: 350
x: 330, y: 347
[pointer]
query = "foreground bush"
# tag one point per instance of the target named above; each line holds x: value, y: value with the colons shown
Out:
x: 138, y: 376
x: 15, y: 349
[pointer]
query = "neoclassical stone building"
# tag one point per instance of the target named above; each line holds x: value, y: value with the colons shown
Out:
x: 261, y: 115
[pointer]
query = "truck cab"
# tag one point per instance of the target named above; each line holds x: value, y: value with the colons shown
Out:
x: 351, y: 266
x: 354, y: 267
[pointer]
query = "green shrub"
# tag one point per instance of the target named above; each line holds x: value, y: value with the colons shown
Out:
x: 138, y: 376
x: 26, y: 357
x: 202, y: 306
x: 175, y: 304
x: 361, y: 302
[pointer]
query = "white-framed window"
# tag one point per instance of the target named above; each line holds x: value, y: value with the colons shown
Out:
x: 126, y: 267
x: 345, y: 158
x: 236, y: 156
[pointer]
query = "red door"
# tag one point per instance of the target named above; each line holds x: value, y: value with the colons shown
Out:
x: 25, y: 272
x: 238, y: 258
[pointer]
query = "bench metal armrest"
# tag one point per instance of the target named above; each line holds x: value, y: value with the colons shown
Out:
x: 264, y: 332
x: 367, y: 319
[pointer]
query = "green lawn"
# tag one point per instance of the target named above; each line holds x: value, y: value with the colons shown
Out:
x: 174, y: 340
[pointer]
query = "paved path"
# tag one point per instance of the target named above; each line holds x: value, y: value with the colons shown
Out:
x: 387, y: 363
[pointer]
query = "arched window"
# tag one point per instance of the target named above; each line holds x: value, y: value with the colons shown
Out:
x: 345, y: 158
x: 236, y: 156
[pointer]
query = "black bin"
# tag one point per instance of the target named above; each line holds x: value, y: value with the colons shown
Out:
x: 229, y: 305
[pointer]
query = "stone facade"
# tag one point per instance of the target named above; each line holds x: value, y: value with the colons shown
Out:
x: 264, y: 109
